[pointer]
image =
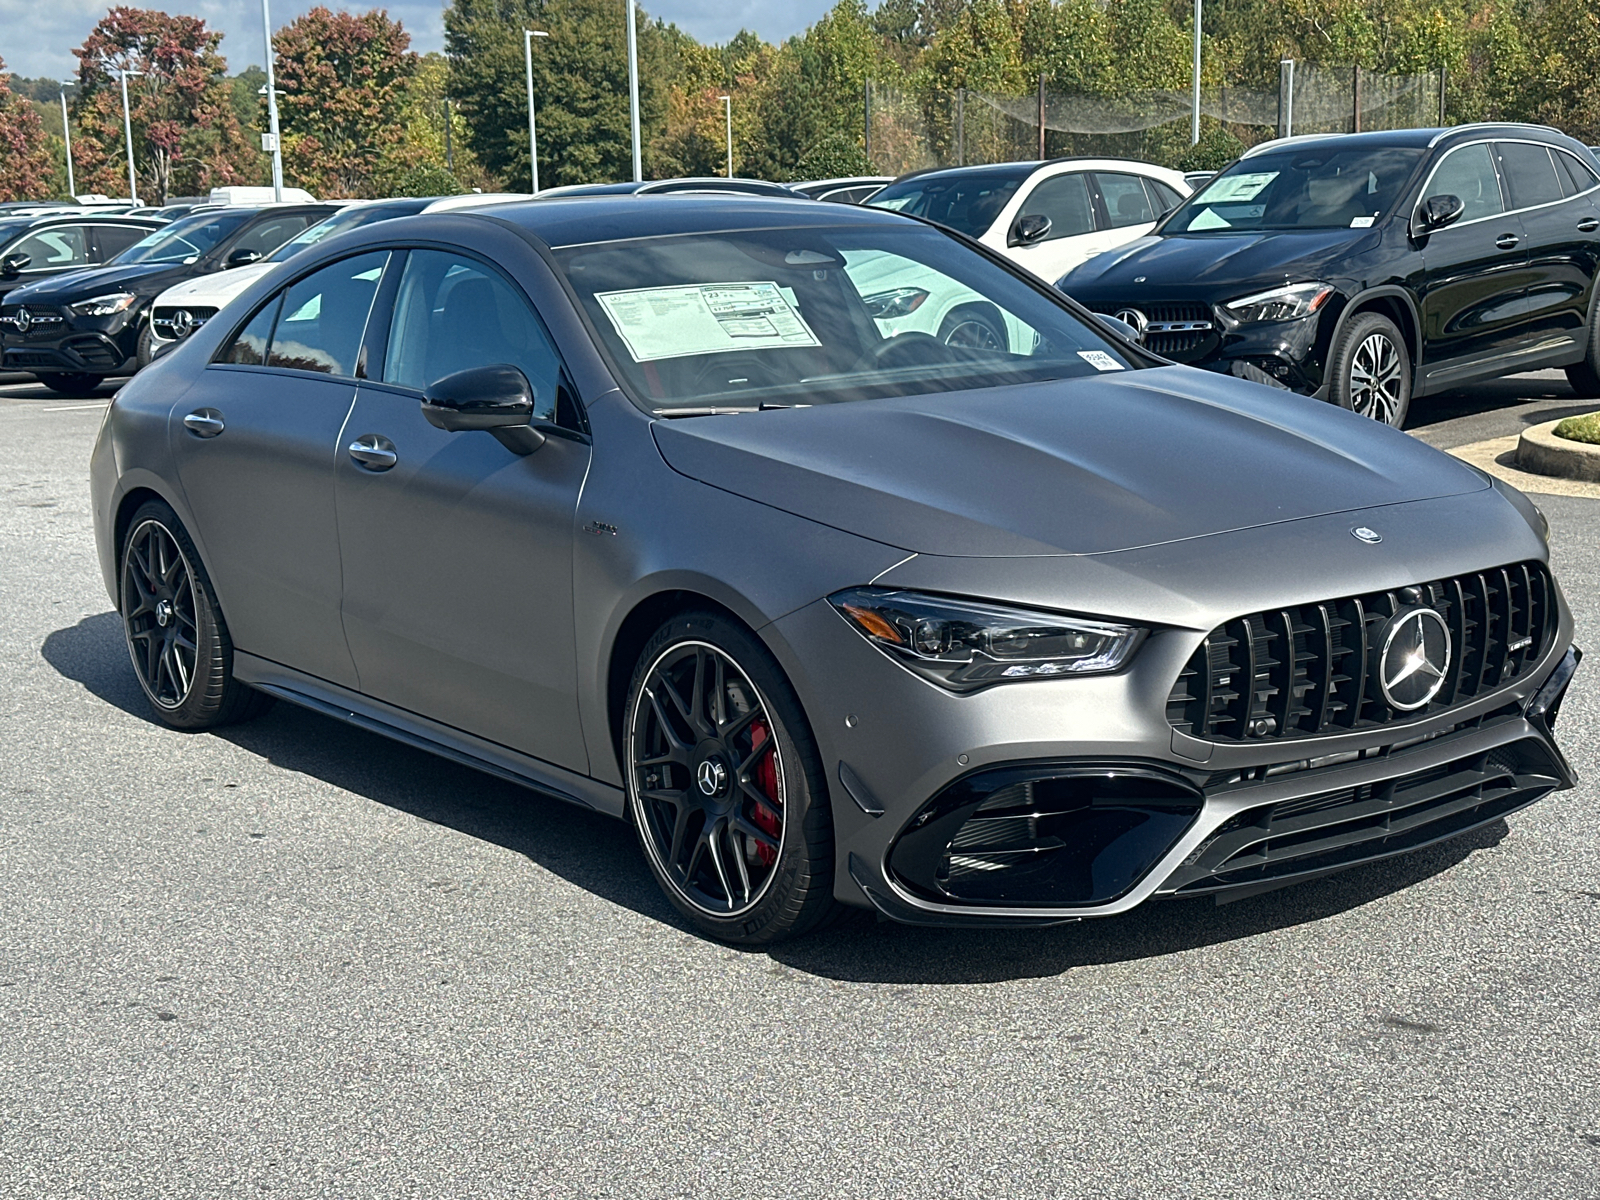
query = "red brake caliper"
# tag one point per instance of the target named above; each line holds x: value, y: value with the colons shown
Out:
x: 767, y: 820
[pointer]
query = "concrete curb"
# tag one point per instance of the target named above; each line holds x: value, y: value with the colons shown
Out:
x: 1541, y: 452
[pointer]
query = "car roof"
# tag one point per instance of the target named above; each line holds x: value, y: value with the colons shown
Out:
x: 1421, y: 139
x: 561, y: 222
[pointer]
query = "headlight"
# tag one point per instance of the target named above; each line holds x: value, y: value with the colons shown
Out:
x: 901, y: 302
x: 105, y: 306
x: 1281, y: 304
x: 964, y: 645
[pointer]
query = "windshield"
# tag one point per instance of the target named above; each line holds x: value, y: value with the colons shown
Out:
x: 185, y: 240
x: 793, y: 317
x: 1301, y: 188
x: 966, y: 201
x: 343, y: 222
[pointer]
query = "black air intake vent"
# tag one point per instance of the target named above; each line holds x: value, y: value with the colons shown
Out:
x: 1311, y: 669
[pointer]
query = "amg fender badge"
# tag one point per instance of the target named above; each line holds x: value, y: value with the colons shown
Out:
x: 600, y: 527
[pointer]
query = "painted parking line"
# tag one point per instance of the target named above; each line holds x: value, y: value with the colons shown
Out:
x: 77, y: 407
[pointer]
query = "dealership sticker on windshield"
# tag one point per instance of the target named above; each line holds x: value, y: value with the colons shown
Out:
x: 705, y: 318
x: 1362, y: 222
x: 1237, y: 187
x: 1100, y: 360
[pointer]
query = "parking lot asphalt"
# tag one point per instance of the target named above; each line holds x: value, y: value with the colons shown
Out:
x: 295, y: 959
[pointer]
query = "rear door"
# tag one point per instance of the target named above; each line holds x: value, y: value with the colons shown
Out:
x: 457, y: 554
x: 112, y: 240
x: 255, y: 442
x: 1475, y: 273
x: 1561, y: 226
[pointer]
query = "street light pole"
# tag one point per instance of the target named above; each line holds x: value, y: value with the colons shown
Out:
x: 1194, y: 124
x: 66, y: 130
x: 127, y: 130
x: 633, y: 93
x: 533, y: 130
x: 272, y: 109
x: 727, y: 103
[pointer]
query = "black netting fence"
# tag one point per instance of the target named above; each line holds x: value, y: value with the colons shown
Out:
x: 909, y: 131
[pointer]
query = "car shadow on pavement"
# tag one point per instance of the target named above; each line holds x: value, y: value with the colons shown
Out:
x: 600, y: 855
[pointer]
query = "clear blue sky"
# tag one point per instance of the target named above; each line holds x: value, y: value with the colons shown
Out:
x: 37, y: 36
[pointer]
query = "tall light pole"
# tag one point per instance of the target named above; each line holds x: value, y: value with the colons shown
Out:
x: 533, y: 130
x: 633, y: 93
x: 1194, y: 125
x: 66, y: 131
x: 272, y: 109
x: 727, y: 104
x: 127, y: 129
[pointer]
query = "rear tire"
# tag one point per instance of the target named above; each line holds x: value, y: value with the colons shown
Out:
x: 1369, y: 369
x: 725, y: 785
x: 70, y: 383
x: 176, y: 637
x: 1585, y: 376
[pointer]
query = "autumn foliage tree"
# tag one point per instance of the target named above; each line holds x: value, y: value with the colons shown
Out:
x: 186, y: 136
x: 343, y: 79
x: 25, y: 167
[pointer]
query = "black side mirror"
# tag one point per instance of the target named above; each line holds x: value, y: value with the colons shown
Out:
x: 243, y: 258
x: 13, y: 265
x: 1439, y: 211
x: 497, y: 400
x: 1028, y: 229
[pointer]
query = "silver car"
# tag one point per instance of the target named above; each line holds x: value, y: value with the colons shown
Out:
x: 642, y: 502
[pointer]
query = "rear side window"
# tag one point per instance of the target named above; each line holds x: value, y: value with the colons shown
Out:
x: 249, y: 346
x: 1530, y: 174
x: 452, y: 313
x: 324, y: 316
x: 1065, y: 200
x: 1166, y: 198
x: 1126, y: 202
x: 1579, y: 175
x: 1468, y: 174
x: 114, y: 239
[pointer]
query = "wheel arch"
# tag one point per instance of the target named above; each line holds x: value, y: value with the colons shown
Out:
x: 987, y: 309
x: 1388, y: 301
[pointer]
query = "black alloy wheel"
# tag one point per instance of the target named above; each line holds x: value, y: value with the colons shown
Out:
x: 722, y: 779
x: 176, y: 637
x: 1370, y: 370
x: 75, y: 383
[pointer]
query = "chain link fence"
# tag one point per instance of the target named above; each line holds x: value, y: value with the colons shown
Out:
x: 908, y: 132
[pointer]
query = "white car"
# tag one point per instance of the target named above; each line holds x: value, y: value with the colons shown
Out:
x: 184, y: 307
x: 1045, y: 216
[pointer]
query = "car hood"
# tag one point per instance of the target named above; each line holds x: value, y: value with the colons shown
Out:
x: 1220, y: 266
x: 76, y: 286
x: 217, y: 288
x: 1082, y: 466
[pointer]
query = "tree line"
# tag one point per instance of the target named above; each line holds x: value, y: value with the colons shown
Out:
x: 362, y: 114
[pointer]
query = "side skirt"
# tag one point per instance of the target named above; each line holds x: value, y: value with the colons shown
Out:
x: 366, y: 713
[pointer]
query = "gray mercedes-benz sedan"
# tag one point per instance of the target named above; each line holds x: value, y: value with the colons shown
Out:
x: 849, y: 563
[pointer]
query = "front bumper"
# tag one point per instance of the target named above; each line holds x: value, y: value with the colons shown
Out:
x: 72, y: 345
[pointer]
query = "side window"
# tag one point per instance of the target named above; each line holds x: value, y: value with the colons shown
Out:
x: 324, y: 316
x: 249, y: 347
x: 55, y: 248
x: 1530, y: 174
x: 1166, y: 198
x: 1468, y: 173
x: 1580, y: 176
x: 1065, y: 200
x: 114, y: 239
x: 452, y: 313
x: 1126, y: 203
x: 269, y: 235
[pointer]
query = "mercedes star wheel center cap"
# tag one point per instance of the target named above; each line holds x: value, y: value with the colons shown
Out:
x: 711, y: 777
x: 1413, y: 658
x: 163, y: 613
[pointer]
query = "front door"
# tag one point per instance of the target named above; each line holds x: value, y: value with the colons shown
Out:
x: 254, y: 442
x: 458, y: 555
x: 1475, y: 274
x: 1065, y: 200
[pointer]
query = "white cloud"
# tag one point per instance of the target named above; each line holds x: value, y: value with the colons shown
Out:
x: 39, y: 35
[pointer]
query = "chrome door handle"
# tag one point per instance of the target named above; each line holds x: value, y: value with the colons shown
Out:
x: 1588, y: 225
x: 1507, y: 241
x: 204, y: 422
x: 373, y: 452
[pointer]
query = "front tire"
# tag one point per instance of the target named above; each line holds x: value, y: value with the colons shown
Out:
x: 725, y: 785
x: 1369, y: 370
x: 177, y: 640
x: 974, y: 327
x: 146, y: 350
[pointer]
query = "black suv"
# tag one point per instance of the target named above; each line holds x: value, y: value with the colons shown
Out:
x: 73, y: 330
x: 1369, y: 268
x: 42, y: 246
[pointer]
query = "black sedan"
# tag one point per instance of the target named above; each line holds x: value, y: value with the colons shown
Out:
x: 663, y: 509
x: 74, y: 330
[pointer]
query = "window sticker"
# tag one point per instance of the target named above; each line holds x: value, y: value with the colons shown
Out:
x: 705, y: 318
x: 1208, y: 219
x: 1238, y: 187
x: 1100, y: 360
x: 1362, y: 222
